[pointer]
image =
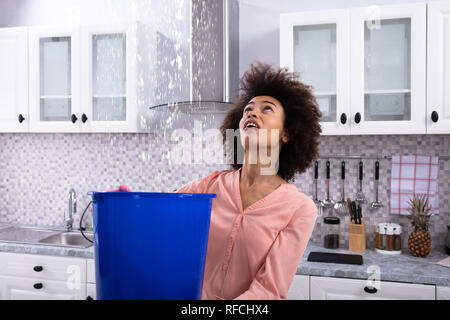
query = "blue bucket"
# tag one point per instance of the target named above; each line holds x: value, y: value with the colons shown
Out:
x: 150, y: 245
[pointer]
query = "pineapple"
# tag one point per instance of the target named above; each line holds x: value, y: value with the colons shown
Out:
x: 419, y: 241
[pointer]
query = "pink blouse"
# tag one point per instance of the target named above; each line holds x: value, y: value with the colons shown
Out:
x: 253, y: 253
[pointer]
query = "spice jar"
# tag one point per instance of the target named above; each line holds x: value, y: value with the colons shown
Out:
x: 377, y: 236
x: 389, y: 237
x: 382, y: 230
x: 397, y: 237
x: 331, y: 227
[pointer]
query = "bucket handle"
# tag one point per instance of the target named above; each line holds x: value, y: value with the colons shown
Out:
x: 81, y: 220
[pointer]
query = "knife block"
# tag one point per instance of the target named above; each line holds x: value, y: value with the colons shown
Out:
x: 357, y: 236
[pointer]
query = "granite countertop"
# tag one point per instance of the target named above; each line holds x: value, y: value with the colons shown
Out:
x: 401, y: 268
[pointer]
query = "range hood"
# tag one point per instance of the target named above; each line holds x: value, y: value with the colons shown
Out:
x: 214, y: 68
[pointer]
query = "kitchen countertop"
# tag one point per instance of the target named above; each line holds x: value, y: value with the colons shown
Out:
x: 400, y: 268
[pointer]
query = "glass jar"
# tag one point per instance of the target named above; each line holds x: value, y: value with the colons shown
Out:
x: 389, y: 237
x: 331, y: 226
x: 382, y: 231
x: 377, y: 236
x: 397, y: 237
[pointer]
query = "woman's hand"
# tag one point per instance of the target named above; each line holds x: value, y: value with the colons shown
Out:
x: 122, y: 188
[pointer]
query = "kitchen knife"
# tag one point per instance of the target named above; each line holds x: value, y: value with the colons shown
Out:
x: 350, y: 209
x: 359, y: 214
x: 354, y: 213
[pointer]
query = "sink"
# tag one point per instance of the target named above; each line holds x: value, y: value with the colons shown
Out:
x: 43, y: 236
x: 68, y: 239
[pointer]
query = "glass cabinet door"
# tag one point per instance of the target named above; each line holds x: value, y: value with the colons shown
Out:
x: 54, y: 74
x: 315, y: 45
x: 55, y: 79
x: 109, y: 83
x: 315, y: 60
x: 109, y: 63
x: 388, y: 69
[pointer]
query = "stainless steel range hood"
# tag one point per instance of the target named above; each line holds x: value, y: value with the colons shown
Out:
x: 214, y: 49
x: 214, y: 68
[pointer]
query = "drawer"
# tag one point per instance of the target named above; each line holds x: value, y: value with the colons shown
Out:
x: 43, y: 267
x: 16, y: 288
x: 325, y: 288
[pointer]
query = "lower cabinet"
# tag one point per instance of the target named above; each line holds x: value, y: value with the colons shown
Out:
x: 16, y: 288
x: 41, y: 277
x: 325, y: 288
x: 442, y: 293
x: 299, y: 289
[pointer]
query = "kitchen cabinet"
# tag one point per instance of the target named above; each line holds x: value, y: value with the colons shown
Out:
x: 54, y: 79
x: 14, y: 80
x: 326, y: 288
x: 18, y: 288
x: 316, y: 45
x: 442, y: 293
x: 438, y: 68
x: 388, y: 70
x: 109, y: 85
x: 299, y: 289
x: 83, y: 79
x: 27, y: 276
x: 367, y: 66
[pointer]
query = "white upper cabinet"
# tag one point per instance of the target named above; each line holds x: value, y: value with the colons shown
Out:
x: 109, y: 79
x: 316, y: 45
x: 388, y: 69
x: 54, y: 79
x: 14, y: 80
x: 367, y: 66
x: 438, y: 68
x: 83, y: 79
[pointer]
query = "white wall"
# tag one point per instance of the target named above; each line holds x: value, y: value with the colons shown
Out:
x: 259, y: 24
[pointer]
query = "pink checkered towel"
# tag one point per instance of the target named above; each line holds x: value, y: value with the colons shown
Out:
x: 414, y: 175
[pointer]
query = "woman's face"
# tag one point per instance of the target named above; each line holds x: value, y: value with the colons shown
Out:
x: 262, y: 122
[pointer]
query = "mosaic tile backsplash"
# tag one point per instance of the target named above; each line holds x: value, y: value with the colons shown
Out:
x: 38, y: 170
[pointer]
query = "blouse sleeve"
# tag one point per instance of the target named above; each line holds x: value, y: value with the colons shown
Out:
x: 277, y: 273
x: 200, y: 185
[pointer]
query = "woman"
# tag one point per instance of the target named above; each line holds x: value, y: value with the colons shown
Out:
x: 261, y: 224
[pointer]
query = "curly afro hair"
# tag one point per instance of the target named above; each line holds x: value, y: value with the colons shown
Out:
x: 302, y: 116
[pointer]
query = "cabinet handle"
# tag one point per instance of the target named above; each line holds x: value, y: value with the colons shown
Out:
x: 74, y: 118
x: 370, y: 290
x: 38, y: 285
x: 377, y: 170
x: 343, y: 118
x: 21, y: 118
x: 84, y: 118
x: 358, y: 117
x: 434, y: 116
x: 38, y: 268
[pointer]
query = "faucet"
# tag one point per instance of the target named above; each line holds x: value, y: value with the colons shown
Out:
x: 68, y: 223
